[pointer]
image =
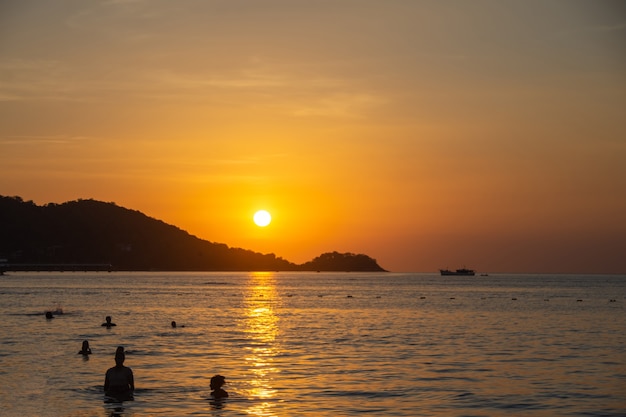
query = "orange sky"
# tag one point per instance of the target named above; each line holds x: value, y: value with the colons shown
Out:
x: 426, y: 134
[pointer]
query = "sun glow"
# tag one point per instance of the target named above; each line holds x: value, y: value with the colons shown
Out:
x: 262, y: 218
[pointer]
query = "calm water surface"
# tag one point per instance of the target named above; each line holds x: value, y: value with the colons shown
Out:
x: 316, y: 344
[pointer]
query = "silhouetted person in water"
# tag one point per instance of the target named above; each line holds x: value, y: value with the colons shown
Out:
x: 86, y: 350
x: 108, y: 323
x: 49, y: 315
x: 216, y: 387
x: 119, y: 381
x: 174, y: 325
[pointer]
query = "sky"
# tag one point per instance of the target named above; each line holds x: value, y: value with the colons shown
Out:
x: 425, y: 134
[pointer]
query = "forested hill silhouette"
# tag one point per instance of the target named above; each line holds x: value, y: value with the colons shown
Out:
x: 95, y: 232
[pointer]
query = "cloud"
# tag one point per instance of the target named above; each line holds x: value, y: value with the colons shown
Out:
x: 22, y: 79
x: 123, y: 2
x: 609, y: 28
x: 339, y: 105
x: 44, y: 139
x: 169, y: 79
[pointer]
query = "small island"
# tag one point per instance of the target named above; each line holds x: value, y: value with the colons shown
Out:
x: 94, y: 235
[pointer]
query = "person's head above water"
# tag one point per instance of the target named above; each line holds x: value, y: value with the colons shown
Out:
x: 217, y: 381
x: 85, y: 349
x: 173, y: 324
x: 120, y: 356
x: 216, y: 385
x: 49, y: 315
x: 108, y: 323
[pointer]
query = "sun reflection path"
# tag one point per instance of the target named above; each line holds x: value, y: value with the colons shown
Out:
x: 261, y: 331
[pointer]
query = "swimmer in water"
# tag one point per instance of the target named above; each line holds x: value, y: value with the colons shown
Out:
x: 119, y: 381
x: 86, y: 350
x: 49, y: 315
x: 108, y: 323
x: 216, y: 387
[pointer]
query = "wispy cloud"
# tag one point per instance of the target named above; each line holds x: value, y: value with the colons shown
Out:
x: 609, y: 28
x: 22, y: 79
x: 339, y: 105
x: 44, y: 139
x: 308, y: 94
x: 123, y: 2
x: 246, y: 79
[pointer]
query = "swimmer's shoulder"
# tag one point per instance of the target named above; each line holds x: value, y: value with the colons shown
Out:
x: 219, y: 393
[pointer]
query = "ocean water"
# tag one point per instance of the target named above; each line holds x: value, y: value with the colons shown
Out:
x: 316, y: 344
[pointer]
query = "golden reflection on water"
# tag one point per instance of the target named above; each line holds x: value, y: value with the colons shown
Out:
x: 261, y: 328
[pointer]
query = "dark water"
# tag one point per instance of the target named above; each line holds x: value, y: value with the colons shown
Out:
x: 316, y: 344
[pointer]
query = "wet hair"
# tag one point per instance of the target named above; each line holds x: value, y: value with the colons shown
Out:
x: 85, y: 350
x: 217, y: 381
x: 120, y: 356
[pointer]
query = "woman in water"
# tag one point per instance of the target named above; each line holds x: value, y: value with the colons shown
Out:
x: 216, y: 387
x: 86, y: 350
x: 119, y: 381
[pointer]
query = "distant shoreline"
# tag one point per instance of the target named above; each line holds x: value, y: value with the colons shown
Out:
x: 9, y: 267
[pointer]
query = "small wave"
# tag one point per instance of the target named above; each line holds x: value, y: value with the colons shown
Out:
x: 366, y: 394
x: 510, y: 403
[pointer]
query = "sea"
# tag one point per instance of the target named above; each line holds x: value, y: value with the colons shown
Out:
x: 315, y: 344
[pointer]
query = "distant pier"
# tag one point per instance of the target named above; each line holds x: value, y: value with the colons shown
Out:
x: 6, y: 267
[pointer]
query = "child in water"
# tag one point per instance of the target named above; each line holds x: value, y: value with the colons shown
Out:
x: 216, y: 386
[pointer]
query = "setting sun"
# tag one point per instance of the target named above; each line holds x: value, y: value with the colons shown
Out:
x: 262, y: 218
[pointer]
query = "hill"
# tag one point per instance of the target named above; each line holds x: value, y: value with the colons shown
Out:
x: 95, y: 232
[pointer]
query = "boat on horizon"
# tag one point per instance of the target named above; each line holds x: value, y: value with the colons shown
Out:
x: 462, y: 272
